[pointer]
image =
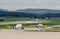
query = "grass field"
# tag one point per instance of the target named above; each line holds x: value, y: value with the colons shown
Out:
x: 9, y: 19
x: 51, y: 22
x: 44, y: 22
x: 53, y: 30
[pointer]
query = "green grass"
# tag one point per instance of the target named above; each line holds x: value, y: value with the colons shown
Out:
x: 53, y: 30
x: 6, y: 26
x: 46, y: 30
x: 9, y: 19
x: 45, y: 22
x: 51, y: 22
x: 31, y: 30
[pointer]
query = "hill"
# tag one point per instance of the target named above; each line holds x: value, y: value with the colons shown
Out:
x: 31, y: 13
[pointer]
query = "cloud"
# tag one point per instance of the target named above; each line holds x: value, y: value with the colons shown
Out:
x: 21, y: 4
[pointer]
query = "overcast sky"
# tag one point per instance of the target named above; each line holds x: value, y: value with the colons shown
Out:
x: 22, y: 4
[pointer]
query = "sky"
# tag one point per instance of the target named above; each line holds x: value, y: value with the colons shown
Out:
x: 24, y: 4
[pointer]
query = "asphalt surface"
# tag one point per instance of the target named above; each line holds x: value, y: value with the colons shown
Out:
x: 20, y: 34
x: 16, y: 22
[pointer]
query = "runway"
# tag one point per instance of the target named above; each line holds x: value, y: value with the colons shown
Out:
x: 16, y: 22
x: 19, y: 34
